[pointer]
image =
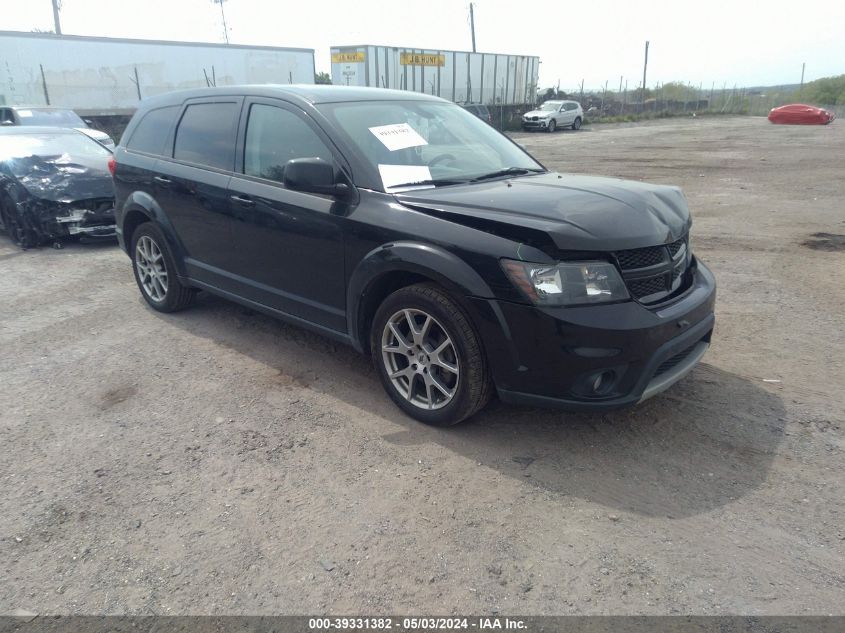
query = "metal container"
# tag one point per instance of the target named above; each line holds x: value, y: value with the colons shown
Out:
x: 103, y: 75
x: 460, y: 76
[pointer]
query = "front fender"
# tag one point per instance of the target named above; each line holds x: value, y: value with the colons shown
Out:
x: 426, y: 260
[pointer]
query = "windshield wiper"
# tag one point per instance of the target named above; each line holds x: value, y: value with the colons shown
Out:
x: 509, y: 171
x: 436, y: 182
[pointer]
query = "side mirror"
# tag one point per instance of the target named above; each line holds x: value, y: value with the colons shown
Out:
x: 7, y: 123
x: 313, y: 175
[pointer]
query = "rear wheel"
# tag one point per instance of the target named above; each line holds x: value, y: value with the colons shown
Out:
x: 576, y: 124
x: 155, y: 271
x: 552, y: 126
x: 429, y: 358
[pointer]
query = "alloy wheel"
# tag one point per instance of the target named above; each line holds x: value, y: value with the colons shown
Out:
x: 420, y: 359
x: 152, y: 271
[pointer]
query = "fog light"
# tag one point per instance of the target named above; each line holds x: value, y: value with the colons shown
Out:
x: 603, y: 382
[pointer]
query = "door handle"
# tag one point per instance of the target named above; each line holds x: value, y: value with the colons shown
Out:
x: 247, y: 202
x: 162, y: 180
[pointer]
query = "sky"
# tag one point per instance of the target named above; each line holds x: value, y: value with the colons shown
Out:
x: 702, y: 43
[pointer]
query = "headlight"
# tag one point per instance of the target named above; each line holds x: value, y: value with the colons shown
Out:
x: 567, y: 283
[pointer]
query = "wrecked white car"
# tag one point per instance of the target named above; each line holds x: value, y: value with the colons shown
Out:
x: 54, y: 184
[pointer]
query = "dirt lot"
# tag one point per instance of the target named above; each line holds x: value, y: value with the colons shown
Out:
x: 217, y: 461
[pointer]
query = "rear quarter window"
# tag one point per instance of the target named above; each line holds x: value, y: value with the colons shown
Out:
x: 152, y: 131
x: 206, y: 135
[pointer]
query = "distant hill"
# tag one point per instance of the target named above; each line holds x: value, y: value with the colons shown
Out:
x: 824, y: 91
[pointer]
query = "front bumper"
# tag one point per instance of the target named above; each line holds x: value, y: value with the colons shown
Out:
x: 540, y: 124
x: 555, y: 356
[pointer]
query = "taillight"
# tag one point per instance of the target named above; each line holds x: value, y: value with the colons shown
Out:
x: 112, y: 166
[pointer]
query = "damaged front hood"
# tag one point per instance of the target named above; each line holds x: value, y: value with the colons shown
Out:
x: 64, y: 178
x: 563, y: 211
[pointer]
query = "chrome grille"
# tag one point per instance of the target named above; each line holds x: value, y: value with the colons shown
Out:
x: 654, y: 272
x: 640, y: 257
x: 645, y: 287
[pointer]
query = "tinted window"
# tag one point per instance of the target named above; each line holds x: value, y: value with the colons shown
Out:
x: 152, y: 131
x: 206, y: 135
x: 273, y: 137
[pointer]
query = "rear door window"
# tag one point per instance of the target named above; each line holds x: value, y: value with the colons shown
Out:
x: 273, y: 137
x: 206, y: 134
x: 153, y: 130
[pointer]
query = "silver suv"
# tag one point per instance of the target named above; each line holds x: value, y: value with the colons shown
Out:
x: 553, y: 115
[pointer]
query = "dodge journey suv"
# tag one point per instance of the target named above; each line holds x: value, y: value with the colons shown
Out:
x: 406, y: 227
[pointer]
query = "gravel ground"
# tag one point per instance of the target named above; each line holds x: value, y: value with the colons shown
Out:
x: 217, y: 461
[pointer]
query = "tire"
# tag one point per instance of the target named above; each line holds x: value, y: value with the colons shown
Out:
x: 576, y: 124
x: 155, y: 271
x: 421, y: 367
x: 552, y: 126
x: 19, y: 236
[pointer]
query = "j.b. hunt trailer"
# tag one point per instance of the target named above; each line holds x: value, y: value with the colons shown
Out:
x: 460, y: 76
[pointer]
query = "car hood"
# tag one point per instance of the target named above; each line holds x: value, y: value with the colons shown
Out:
x: 97, y: 135
x: 563, y: 211
x: 64, y: 178
x: 542, y: 113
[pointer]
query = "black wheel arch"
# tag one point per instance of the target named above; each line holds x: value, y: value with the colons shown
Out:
x: 396, y: 265
x: 139, y: 208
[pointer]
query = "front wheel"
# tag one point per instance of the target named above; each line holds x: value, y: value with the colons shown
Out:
x: 12, y: 223
x: 576, y: 124
x: 429, y: 357
x: 552, y: 126
x: 155, y: 271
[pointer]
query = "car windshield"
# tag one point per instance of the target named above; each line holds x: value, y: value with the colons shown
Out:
x: 59, y: 148
x: 51, y: 118
x: 550, y: 106
x: 426, y: 143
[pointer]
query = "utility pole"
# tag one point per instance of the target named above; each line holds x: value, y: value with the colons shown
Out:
x: 472, y: 25
x: 645, y: 66
x: 801, y: 89
x: 223, y: 15
x: 56, y: 20
x: 625, y: 97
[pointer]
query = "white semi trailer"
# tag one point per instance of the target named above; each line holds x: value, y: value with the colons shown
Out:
x: 460, y: 76
x: 99, y: 76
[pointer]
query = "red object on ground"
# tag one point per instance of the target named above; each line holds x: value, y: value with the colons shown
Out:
x: 800, y: 114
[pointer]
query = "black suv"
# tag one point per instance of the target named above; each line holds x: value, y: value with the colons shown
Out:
x: 402, y: 225
x: 480, y: 110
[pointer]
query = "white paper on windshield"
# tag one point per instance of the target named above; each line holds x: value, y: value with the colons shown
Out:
x: 24, y: 113
x: 398, y: 136
x: 393, y: 175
